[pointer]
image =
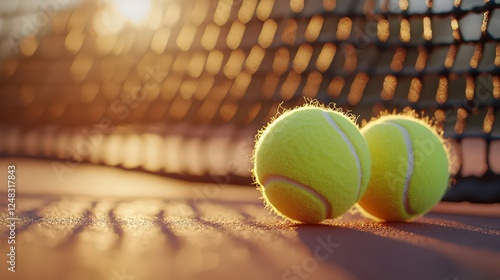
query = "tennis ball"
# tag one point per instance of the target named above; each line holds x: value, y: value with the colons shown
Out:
x: 311, y: 164
x: 409, y: 168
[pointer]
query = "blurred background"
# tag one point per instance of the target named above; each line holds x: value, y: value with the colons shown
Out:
x: 180, y: 88
x: 131, y: 124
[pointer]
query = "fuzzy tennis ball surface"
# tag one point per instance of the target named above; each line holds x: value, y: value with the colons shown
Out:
x: 311, y: 164
x: 409, y: 168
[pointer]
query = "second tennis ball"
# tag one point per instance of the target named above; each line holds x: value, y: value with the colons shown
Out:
x: 311, y: 164
x: 409, y: 168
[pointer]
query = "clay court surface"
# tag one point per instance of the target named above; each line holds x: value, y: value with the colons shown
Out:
x: 108, y: 223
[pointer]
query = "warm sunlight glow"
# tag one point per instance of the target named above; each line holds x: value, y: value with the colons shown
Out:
x: 133, y: 10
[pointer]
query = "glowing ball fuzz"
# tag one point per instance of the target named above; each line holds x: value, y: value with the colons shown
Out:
x: 409, y: 168
x: 311, y: 164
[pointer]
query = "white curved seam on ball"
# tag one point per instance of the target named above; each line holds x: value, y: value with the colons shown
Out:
x: 315, y: 193
x: 351, y: 148
x: 409, y: 171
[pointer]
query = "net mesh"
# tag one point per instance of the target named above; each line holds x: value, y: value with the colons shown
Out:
x: 182, y: 90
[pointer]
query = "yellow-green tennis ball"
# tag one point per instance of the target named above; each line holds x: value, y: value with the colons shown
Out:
x: 409, y: 168
x: 311, y: 164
